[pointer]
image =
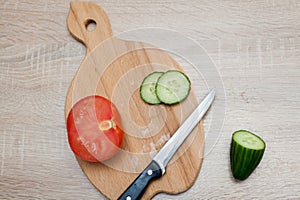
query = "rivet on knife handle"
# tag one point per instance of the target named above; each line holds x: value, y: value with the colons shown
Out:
x: 139, y: 185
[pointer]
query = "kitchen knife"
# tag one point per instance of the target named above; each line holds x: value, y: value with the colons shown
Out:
x: 159, y: 163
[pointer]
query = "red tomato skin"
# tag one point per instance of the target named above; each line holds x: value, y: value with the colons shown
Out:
x: 87, y: 137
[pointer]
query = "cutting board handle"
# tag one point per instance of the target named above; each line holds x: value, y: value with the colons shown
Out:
x: 85, y: 14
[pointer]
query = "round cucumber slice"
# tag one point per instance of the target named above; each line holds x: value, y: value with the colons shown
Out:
x: 147, y: 89
x: 172, y: 87
x: 246, y: 152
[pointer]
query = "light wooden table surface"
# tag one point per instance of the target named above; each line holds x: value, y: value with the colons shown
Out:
x: 255, y: 46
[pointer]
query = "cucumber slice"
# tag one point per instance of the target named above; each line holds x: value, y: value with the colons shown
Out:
x: 147, y: 89
x: 172, y: 87
x: 246, y: 152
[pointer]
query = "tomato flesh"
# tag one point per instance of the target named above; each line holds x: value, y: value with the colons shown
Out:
x: 94, y: 129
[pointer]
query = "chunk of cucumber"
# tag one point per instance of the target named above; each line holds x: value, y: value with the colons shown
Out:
x: 172, y: 87
x: 147, y: 89
x: 246, y: 152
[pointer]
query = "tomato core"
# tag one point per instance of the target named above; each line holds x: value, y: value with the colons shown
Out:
x: 106, y: 125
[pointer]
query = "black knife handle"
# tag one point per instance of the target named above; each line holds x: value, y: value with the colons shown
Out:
x: 139, y: 185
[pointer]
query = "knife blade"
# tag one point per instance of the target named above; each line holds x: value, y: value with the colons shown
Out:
x: 157, y: 166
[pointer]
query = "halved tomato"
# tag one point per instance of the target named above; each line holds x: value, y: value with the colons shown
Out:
x: 94, y: 129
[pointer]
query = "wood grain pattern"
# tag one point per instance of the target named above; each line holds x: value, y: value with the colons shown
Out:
x: 114, y: 68
x: 254, y: 44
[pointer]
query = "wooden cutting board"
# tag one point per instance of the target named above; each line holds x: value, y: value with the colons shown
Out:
x: 115, y: 68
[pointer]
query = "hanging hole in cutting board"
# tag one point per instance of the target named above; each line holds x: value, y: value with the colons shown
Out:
x: 90, y: 24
